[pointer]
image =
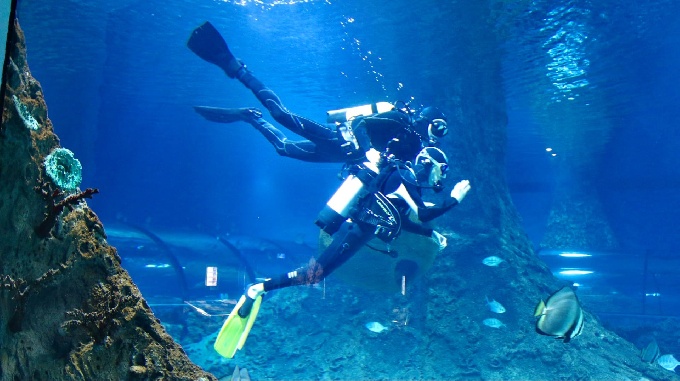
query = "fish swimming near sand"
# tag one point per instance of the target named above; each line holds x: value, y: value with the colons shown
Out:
x: 376, y: 327
x: 668, y: 362
x: 494, y: 306
x: 651, y: 352
x: 560, y: 315
x: 493, y: 323
x: 493, y: 261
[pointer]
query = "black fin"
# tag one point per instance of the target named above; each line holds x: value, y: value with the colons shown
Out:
x: 207, y: 43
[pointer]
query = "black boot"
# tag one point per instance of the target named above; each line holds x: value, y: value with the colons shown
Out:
x: 253, y: 292
x: 228, y: 115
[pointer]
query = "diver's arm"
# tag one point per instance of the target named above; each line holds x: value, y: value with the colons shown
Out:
x: 418, y: 228
x: 409, y: 193
x: 458, y: 193
x: 415, y: 228
x: 429, y: 214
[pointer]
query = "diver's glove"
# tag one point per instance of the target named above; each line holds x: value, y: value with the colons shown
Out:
x: 439, y: 240
x: 460, y: 190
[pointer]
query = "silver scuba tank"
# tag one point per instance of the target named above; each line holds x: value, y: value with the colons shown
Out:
x: 338, y: 208
x: 349, y: 113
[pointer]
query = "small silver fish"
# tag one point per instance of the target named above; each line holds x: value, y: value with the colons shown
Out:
x: 493, y: 323
x: 494, y: 306
x: 668, y: 362
x: 493, y: 261
x: 376, y: 327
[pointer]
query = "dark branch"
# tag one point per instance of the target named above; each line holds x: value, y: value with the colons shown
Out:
x: 43, y: 230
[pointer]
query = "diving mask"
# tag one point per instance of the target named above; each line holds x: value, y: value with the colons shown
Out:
x: 437, y: 168
x: 437, y: 129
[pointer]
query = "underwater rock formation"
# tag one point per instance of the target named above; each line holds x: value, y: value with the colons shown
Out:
x: 68, y: 310
x: 577, y: 220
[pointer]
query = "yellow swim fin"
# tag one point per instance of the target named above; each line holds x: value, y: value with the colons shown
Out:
x: 235, y: 329
x: 251, y: 320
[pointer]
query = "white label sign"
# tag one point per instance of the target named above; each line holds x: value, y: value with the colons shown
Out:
x: 211, y: 276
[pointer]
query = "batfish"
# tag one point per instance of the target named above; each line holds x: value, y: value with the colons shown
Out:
x: 560, y: 315
x: 651, y: 352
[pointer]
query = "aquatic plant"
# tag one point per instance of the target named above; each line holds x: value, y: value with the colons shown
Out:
x: 17, y: 290
x: 101, y: 314
x: 55, y: 208
x: 64, y: 169
x: 25, y: 114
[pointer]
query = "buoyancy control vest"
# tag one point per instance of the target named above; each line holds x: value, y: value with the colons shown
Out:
x: 360, y: 198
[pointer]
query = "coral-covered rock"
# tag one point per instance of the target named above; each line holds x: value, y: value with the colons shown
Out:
x: 67, y: 309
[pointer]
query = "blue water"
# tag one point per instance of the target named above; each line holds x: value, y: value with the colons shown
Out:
x: 595, y: 81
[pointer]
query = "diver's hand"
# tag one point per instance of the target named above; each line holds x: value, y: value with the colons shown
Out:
x: 439, y: 240
x: 460, y: 190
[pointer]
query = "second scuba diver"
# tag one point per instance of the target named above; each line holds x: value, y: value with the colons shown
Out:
x: 347, y: 140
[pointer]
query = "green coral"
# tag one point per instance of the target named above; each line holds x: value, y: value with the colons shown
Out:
x: 25, y: 114
x: 64, y: 169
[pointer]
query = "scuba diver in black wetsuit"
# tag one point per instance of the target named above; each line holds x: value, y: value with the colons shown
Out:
x: 371, y: 202
x: 346, y: 141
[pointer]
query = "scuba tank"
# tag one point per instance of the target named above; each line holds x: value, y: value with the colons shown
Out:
x: 343, y: 201
x: 358, y: 198
x: 349, y: 113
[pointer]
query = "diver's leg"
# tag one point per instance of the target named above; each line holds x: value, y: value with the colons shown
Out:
x: 346, y: 242
x: 227, y: 115
x: 208, y: 44
x: 300, y: 125
x: 304, y: 150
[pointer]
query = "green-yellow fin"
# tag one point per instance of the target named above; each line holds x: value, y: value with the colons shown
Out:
x: 230, y: 334
x: 539, y: 308
x: 251, y: 320
x: 235, y: 329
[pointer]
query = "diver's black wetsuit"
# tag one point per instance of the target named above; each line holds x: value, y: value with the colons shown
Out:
x: 391, y: 129
x: 324, y: 144
x: 353, y: 234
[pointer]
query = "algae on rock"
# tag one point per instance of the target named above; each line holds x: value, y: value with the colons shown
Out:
x: 70, y: 310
